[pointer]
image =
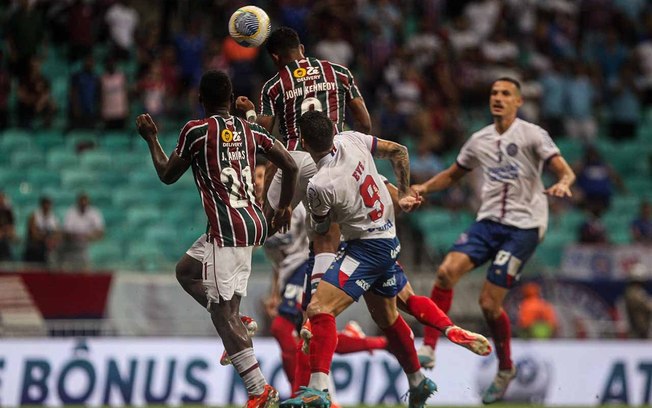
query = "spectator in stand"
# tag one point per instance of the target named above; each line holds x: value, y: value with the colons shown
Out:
x: 581, y: 95
x: 81, y: 32
x: 84, y: 96
x: 82, y: 225
x: 611, y: 55
x: 114, y: 103
x: 552, y: 101
x: 122, y: 20
x: 641, y: 227
x: 625, y: 104
x: 592, y: 230
x: 242, y: 62
x: 334, y: 47
x: 536, y: 317
x: 638, y: 302
x: 596, y: 180
x: 7, y: 228
x: 392, y: 122
x: 43, y: 235
x: 424, y: 163
x: 190, y: 46
x: 24, y: 31
x: 5, y: 91
x: 152, y: 90
x: 34, y: 98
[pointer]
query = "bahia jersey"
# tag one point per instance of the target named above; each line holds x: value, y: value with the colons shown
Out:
x: 512, y: 190
x: 348, y: 188
x: 303, y: 85
x: 289, y: 250
x: 222, y: 152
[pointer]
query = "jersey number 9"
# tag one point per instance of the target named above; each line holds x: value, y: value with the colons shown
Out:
x: 371, y: 198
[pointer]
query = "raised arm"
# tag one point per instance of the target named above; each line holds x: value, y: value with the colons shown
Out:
x: 565, y: 177
x: 168, y: 170
x: 244, y: 104
x: 441, y: 180
x: 399, y: 157
x: 361, y: 118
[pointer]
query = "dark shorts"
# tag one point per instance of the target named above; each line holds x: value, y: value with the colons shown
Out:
x: 509, y: 248
x: 292, y: 295
x: 366, y: 265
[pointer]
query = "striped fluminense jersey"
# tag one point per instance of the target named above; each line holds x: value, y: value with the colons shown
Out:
x: 223, y: 156
x: 303, y: 85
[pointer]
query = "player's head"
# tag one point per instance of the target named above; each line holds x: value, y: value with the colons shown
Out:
x: 505, y: 98
x: 316, y: 132
x: 215, y: 90
x: 259, y: 178
x: 284, y: 46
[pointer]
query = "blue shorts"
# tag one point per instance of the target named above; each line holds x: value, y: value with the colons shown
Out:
x: 292, y: 295
x: 508, y: 246
x: 366, y: 265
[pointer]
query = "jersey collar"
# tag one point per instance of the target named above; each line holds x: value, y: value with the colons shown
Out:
x: 327, y: 159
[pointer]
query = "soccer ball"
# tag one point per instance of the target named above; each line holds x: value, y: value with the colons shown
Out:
x: 249, y: 26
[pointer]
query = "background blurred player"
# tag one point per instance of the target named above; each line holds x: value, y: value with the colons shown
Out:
x: 347, y: 189
x: 222, y: 151
x: 511, y: 221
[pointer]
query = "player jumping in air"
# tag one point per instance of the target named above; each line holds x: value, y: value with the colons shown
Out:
x: 222, y: 152
x: 510, y: 223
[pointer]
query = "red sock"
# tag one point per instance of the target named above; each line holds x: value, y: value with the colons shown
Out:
x: 301, y: 369
x: 347, y: 344
x: 427, y: 312
x: 501, y: 330
x: 400, y: 342
x: 323, y: 343
x: 283, y: 331
x: 443, y: 298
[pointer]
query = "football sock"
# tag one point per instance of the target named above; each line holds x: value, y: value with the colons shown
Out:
x: 323, y: 343
x: 246, y: 365
x: 283, y: 331
x: 400, y: 342
x: 427, y: 312
x: 443, y: 298
x: 322, y: 262
x: 501, y: 331
x: 301, y: 369
x: 347, y: 344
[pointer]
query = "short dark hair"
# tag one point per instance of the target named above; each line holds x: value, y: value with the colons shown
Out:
x: 282, y: 41
x: 510, y: 80
x: 215, y: 88
x: 316, y: 130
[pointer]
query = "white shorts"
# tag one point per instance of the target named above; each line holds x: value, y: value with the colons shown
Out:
x: 226, y: 271
x: 306, y: 169
x: 197, y: 250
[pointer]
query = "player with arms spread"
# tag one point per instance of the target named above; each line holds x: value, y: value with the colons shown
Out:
x: 222, y: 152
x: 510, y: 223
x: 348, y: 190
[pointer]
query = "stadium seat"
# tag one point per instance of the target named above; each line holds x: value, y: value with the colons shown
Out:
x: 96, y: 160
x: 116, y: 142
x: 127, y: 196
x: 47, y: 139
x: 106, y: 253
x: 61, y: 198
x: 41, y: 178
x: 24, y: 159
x: 142, y: 217
x: 76, y: 180
x: 145, y: 256
x: 62, y: 158
x: 76, y: 138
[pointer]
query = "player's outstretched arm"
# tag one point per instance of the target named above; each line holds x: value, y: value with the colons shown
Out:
x: 282, y: 159
x: 246, y: 105
x: 361, y: 118
x: 399, y: 157
x: 168, y: 170
x: 565, y: 178
x: 441, y: 180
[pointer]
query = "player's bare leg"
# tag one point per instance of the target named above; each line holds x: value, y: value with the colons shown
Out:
x: 491, y: 302
x: 237, y: 343
x: 189, y: 275
x: 455, y: 265
x: 430, y: 315
x: 400, y: 342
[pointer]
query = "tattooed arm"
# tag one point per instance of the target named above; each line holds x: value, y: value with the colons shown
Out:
x: 398, y: 156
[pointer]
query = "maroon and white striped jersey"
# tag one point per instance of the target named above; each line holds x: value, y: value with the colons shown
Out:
x: 222, y: 152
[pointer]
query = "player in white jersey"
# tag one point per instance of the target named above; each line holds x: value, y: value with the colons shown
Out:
x: 510, y: 223
x: 348, y: 190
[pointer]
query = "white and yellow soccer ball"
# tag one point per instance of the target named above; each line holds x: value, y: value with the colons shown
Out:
x: 249, y: 26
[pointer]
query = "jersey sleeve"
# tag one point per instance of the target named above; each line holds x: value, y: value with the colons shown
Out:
x: 319, y: 200
x: 370, y: 142
x: 346, y: 78
x: 192, y: 131
x: 268, y: 99
x: 264, y: 140
x: 467, y: 158
x: 545, y: 147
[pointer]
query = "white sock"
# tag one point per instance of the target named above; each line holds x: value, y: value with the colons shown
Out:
x: 319, y: 381
x: 331, y: 389
x: 415, y: 378
x: 246, y: 365
x: 322, y: 262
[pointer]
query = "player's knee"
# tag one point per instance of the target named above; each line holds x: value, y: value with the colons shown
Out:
x: 446, y: 277
x: 316, y: 307
x: 182, y: 273
x: 385, y: 320
x: 490, y: 307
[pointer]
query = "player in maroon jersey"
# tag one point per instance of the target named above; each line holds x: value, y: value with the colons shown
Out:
x: 222, y: 152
